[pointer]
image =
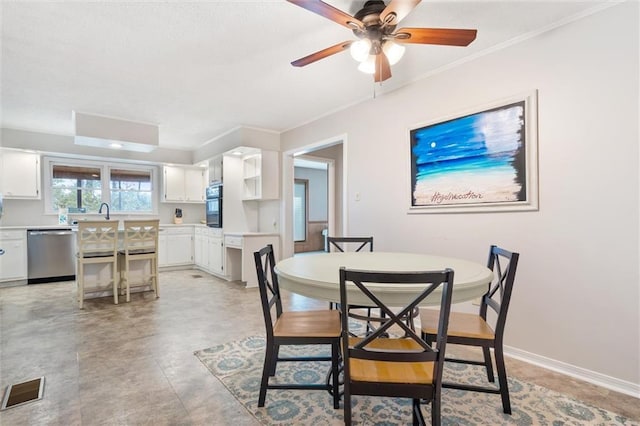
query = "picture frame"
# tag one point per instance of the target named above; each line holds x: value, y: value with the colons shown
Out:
x: 481, y: 160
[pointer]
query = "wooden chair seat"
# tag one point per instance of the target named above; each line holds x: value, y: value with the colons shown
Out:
x: 460, y: 324
x: 391, y: 372
x: 307, y: 324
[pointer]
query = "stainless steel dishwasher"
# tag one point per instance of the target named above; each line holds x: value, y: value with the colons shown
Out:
x: 50, y: 255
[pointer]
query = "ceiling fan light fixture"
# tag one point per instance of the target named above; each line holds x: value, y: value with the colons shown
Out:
x: 368, y: 66
x: 360, y: 49
x: 394, y: 51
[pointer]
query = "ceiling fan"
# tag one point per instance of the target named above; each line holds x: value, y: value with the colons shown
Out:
x: 379, y: 44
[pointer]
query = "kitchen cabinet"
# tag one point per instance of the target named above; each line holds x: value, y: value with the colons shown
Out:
x: 201, y: 248
x: 216, y: 255
x: 215, y: 169
x: 184, y: 184
x: 208, y: 250
x: 261, y: 176
x: 13, y: 261
x: 19, y: 174
x: 175, y: 246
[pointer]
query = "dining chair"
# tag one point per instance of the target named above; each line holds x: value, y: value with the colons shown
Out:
x: 405, y: 367
x: 315, y: 327
x: 140, y: 244
x: 342, y: 244
x: 356, y: 244
x: 475, y: 329
x: 97, y: 243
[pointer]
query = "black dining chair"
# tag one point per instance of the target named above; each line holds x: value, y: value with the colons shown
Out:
x: 474, y: 329
x: 355, y: 244
x: 342, y: 243
x: 406, y: 367
x: 315, y: 327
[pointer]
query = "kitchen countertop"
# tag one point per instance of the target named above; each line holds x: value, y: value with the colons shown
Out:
x: 251, y: 234
x: 25, y: 227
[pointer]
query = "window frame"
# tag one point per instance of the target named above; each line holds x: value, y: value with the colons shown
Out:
x: 105, y: 180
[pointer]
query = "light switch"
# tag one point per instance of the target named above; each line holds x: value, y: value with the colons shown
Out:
x: 357, y: 196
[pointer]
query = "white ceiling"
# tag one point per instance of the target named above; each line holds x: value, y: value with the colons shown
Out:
x: 201, y: 69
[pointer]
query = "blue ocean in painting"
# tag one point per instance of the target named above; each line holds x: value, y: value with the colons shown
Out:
x: 480, y: 154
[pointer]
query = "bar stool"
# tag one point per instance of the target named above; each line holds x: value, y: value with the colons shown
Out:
x: 97, y: 242
x: 140, y: 243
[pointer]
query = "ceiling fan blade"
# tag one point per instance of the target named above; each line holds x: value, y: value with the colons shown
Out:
x: 383, y: 69
x: 445, y: 36
x: 321, y: 54
x: 400, y: 8
x: 329, y: 12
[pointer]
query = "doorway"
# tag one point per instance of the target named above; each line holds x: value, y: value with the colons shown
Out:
x: 326, y: 217
x: 310, y: 204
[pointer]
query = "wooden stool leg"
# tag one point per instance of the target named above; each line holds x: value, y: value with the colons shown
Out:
x: 80, y: 281
x: 114, y: 271
x: 126, y: 278
x: 154, y: 265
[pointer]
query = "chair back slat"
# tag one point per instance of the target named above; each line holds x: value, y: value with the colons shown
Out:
x: 141, y: 236
x: 369, y: 347
x: 268, y: 285
x: 503, y: 263
x: 342, y: 244
x: 97, y: 238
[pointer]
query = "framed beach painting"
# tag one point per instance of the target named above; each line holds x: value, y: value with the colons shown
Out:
x: 483, y: 160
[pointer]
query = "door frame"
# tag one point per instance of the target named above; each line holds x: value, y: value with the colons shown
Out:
x: 286, y: 211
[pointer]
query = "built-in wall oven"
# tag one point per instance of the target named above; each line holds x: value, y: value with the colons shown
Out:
x: 213, y: 205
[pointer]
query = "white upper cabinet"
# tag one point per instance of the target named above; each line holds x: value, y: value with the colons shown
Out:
x: 184, y: 184
x: 261, y: 173
x: 19, y: 174
x: 215, y: 169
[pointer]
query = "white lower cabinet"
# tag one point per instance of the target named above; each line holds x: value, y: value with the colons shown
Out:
x: 13, y: 261
x: 200, y: 248
x: 208, y: 250
x: 216, y: 255
x: 175, y: 246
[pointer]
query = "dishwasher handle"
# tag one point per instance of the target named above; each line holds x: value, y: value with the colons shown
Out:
x: 36, y: 233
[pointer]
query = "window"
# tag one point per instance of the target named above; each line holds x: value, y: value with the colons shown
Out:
x: 82, y: 186
x: 130, y: 190
x: 76, y: 187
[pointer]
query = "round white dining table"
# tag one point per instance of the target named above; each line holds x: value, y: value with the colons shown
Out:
x: 317, y: 276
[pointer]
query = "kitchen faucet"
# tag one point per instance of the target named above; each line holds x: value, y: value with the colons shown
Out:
x: 100, y: 210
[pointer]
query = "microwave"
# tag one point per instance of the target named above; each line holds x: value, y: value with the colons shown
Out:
x: 213, y: 205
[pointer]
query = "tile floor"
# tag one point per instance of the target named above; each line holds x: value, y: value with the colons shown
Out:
x: 133, y: 363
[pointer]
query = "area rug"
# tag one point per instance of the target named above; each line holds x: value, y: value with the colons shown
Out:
x: 238, y: 365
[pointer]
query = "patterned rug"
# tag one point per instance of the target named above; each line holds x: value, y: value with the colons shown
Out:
x: 238, y: 365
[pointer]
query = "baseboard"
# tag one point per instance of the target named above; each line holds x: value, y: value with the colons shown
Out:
x: 612, y: 383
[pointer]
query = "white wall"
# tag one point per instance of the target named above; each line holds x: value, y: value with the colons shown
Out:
x: 31, y: 213
x: 576, y: 298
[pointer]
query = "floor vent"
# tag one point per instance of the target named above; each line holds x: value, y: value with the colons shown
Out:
x: 22, y: 393
x: 196, y: 276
